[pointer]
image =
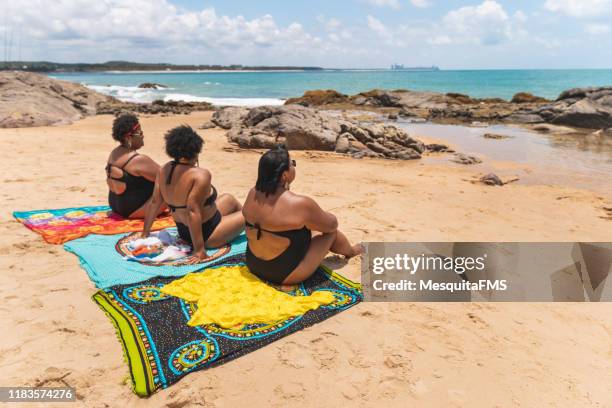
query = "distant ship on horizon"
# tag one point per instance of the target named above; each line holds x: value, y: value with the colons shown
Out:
x: 401, y: 67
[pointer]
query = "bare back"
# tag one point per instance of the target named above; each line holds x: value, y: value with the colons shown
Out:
x: 279, y: 212
x: 185, y: 181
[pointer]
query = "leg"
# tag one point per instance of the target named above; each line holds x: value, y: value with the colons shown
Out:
x: 319, y: 247
x: 227, y: 204
x: 342, y: 246
x: 230, y: 227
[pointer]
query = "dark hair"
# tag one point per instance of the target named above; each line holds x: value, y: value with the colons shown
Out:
x: 272, y: 164
x: 123, y: 125
x: 183, y: 142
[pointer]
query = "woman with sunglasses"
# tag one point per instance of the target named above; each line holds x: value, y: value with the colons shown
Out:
x: 130, y: 175
x: 281, y: 248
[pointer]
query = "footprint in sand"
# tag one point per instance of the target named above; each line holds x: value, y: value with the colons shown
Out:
x: 324, y: 353
x: 291, y: 391
x: 292, y: 355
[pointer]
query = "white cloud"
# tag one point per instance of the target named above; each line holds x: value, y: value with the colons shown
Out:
x: 580, y: 8
x: 377, y: 26
x: 596, y: 29
x: 384, y: 3
x: 519, y: 15
x: 440, y: 40
x: 487, y: 23
x: 420, y: 3
x: 156, y: 25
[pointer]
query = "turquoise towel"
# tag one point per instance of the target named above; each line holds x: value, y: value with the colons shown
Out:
x: 106, y: 266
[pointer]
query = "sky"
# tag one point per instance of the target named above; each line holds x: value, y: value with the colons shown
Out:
x: 453, y: 34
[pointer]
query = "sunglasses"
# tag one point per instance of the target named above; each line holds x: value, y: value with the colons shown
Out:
x: 293, y: 163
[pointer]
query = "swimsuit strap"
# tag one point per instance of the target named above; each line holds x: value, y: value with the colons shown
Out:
x: 128, y: 160
x: 259, y: 229
x: 285, y: 234
x: 122, y: 178
x: 173, y: 165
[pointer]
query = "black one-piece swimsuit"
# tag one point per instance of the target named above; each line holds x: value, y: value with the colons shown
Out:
x: 137, y: 192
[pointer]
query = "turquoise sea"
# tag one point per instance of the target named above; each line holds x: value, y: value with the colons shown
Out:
x: 257, y: 88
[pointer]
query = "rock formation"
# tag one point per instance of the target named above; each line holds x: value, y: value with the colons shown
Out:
x: 29, y: 99
x: 579, y: 108
x: 302, y: 128
x: 115, y: 107
x: 151, y: 85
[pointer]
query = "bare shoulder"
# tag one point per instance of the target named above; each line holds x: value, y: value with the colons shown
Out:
x: 200, y: 175
x: 298, y: 201
x: 143, y: 159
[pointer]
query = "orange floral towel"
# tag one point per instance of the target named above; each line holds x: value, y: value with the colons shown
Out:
x: 66, y: 224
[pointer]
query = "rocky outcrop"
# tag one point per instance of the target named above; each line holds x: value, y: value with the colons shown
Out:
x: 579, y: 108
x: 228, y: 117
x: 466, y: 159
x: 318, y: 98
x: 29, y: 99
x: 151, y: 85
x: 302, y: 128
x: 115, y: 107
x: 526, y: 97
x: 454, y: 107
x: 589, y: 108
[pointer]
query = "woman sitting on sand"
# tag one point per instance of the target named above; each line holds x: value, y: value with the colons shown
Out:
x: 130, y: 176
x: 280, y: 247
x: 202, y: 218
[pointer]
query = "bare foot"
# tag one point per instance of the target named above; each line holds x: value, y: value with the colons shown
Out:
x: 358, y: 249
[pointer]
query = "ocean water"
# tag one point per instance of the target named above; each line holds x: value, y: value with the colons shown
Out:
x: 270, y: 88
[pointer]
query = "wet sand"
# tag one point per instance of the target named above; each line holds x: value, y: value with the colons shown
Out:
x: 371, y: 355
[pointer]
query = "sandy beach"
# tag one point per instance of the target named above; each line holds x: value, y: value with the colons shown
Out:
x: 400, y: 354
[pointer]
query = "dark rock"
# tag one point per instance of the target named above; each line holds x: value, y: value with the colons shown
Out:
x: 525, y: 97
x: 491, y: 180
x: 461, y: 98
x: 466, y: 159
x: 437, y: 147
x: 392, y: 116
x: 495, y: 136
x: 318, y: 98
x: 115, y: 107
x: 151, y: 85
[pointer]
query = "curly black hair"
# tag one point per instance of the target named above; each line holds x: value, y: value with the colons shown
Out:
x: 122, y: 125
x: 183, y: 142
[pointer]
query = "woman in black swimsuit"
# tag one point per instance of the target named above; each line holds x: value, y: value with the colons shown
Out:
x: 202, y: 217
x: 130, y: 176
x: 281, y: 248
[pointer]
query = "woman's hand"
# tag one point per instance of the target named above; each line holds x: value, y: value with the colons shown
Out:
x: 198, y: 256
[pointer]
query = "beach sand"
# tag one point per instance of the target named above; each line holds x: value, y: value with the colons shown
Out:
x: 397, y: 354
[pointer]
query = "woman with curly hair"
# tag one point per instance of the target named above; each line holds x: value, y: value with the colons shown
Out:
x: 203, y: 218
x: 130, y: 175
x: 281, y: 248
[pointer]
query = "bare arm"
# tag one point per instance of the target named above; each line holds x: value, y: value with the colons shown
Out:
x: 200, y: 189
x: 145, y: 167
x: 153, y: 208
x: 316, y: 218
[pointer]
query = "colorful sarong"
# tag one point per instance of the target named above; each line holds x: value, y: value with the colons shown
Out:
x: 161, y: 348
x: 108, y: 261
x: 65, y: 224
